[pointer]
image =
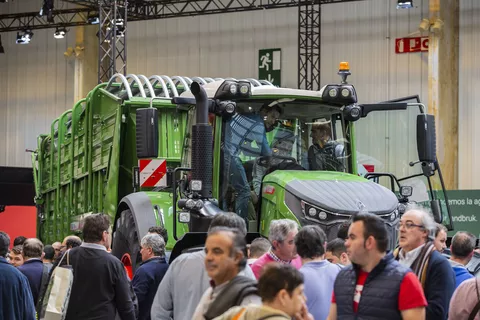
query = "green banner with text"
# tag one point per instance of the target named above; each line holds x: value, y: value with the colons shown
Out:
x: 465, y: 207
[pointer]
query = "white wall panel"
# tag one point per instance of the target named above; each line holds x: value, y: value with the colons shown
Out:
x: 469, y: 95
x: 36, y: 86
x: 217, y: 46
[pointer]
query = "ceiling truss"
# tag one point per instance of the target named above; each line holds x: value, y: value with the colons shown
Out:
x: 145, y: 10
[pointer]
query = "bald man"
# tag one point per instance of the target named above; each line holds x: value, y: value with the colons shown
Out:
x: 70, y: 242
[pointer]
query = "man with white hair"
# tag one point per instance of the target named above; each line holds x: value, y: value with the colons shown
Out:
x: 417, y: 251
x: 282, y: 237
x: 148, y: 276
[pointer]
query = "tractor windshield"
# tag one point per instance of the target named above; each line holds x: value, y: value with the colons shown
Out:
x: 285, y: 134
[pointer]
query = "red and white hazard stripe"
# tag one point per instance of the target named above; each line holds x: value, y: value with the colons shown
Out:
x: 153, y: 172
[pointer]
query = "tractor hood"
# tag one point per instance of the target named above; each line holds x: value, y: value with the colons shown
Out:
x: 337, y: 192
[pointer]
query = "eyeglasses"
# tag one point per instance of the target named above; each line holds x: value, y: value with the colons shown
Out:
x: 410, y: 225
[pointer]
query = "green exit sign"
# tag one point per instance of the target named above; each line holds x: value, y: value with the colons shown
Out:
x: 269, y: 65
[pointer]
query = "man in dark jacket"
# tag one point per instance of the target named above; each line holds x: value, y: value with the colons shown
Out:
x: 374, y: 286
x: 418, y: 252
x: 16, y: 301
x: 150, y: 273
x: 32, y: 268
x: 100, y: 286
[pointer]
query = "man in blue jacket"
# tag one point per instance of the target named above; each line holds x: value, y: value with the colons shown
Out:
x: 16, y: 302
x: 418, y: 252
x: 150, y: 273
x: 461, y: 248
x: 32, y: 268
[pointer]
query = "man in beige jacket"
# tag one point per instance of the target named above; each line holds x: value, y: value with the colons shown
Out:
x: 281, y: 290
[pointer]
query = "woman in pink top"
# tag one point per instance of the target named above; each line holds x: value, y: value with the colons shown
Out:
x: 282, y: 237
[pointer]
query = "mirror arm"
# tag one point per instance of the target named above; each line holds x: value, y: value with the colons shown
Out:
x: 447, y: 205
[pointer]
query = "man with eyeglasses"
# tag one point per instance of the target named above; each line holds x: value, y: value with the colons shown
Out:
x: 417, y: 251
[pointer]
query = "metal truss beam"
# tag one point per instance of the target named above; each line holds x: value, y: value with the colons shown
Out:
x: 112, y: 39
x: 309, y: 46
x: 148, y: 10
x: 32, y: 20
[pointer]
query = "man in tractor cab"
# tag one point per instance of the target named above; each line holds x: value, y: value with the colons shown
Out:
x: 245, y: 135
x: 324, y: 153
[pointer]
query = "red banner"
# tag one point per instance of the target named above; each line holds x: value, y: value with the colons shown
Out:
x: 408, y: 45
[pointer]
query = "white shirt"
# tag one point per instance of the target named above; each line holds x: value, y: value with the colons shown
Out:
x: 407, y: 259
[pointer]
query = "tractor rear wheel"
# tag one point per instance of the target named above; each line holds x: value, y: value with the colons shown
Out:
x: 126, y: 242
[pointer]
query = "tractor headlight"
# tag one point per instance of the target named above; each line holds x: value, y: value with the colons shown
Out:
x: 322, y: 215
x: 184, y: 217
x: 231, y: 89
x: 190, y: 204
x: 341, y: 94
x: 196, y: 185
x: 313, y: 213
x: 199, y: 204
x: 244, y: 89
x: 332, y: 93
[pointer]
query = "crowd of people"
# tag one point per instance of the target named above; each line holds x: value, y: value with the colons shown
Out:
x: 294, y: 274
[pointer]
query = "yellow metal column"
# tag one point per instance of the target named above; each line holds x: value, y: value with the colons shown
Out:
x: 443, y: 64
x: 86, y: 62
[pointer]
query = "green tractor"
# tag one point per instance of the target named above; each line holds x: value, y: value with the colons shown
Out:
x: 177, y: 151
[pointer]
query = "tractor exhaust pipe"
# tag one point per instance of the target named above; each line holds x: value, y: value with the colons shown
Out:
x: 202, y: 143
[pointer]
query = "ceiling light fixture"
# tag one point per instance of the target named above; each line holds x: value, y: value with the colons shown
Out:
x: 404, y: 4
x: 25, y: 38
x: 60, y: 33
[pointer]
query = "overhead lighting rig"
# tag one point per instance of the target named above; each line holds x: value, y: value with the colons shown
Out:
x: 24, y: 38
x: 60, y: 33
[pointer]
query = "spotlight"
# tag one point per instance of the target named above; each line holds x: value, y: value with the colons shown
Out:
x: 93, y: 20
x: 404, y: 4
x: 25, y: 38
x: 59, y: 33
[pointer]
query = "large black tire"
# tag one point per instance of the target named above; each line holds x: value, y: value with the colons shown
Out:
x: 126, y: 240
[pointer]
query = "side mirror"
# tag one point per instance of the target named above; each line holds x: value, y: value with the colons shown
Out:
x: 146, y: 134
x: 436, y: 210
x: 426, y: 138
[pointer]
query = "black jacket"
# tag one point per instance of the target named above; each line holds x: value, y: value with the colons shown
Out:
x: 145, y: 283
x: 100, y: 286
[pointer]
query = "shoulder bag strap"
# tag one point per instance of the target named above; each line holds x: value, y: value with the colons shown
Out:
x: 474, y: 311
